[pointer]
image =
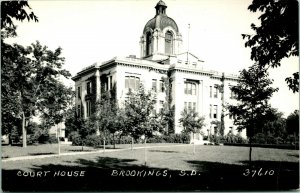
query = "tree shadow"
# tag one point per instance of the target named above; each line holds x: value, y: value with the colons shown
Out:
x: 163, y: 151
x: 257, y: 175
x: 80, y: 150
x: 34, y: 154
x: 293, y: 155
x: 114, y: 174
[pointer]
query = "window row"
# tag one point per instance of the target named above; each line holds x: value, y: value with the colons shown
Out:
x: 190, y: 106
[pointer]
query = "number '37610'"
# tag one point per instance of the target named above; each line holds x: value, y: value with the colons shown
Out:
x: 260, y: 172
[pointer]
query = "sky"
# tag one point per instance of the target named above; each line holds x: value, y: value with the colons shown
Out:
x: 98, y: 30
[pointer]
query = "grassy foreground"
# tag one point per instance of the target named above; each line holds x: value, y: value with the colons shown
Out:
x: 169, y: 168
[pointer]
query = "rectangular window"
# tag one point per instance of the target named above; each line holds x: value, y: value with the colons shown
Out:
x: 193, y: 89
x: 126, y: 82
x: 110, y: 83
x: 185, y: 105
x: 216, y: 91
x: 194, y: 106
x: 132, y: 82
x: 210, y: 91
x: 190, y: 106
x: 137, y: 83
x: 88, y: 87
x: 88, y: 110
x: 154, y: 83
x: 78, y: 93
x: 210, y: 111
x: 190, y: 88
x: 215, y: 115
x: 161, y: 86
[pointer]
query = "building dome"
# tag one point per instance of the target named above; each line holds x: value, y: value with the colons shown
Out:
x: 161, y: 20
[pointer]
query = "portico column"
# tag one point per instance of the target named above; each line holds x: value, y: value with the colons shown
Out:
x: 98, y: 92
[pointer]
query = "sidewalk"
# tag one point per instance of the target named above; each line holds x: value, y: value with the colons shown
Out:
x: 82, y: 153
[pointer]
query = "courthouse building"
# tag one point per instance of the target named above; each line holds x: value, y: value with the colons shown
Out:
x: 161, y: 58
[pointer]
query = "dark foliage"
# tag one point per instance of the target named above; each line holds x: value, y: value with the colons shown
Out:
x: 278, y: 35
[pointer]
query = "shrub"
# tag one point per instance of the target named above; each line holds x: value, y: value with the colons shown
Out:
x: 43, y: 138
x: 52, y: 139
x: 75, y: 138
x: 93, y: 141
x: 124, y: 140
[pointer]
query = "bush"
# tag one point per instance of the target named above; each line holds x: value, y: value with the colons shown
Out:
x: 124, y: 140
x: 52, y: 139
x: 75, y: 138
x: 172, y: 138
x: 93, y: 141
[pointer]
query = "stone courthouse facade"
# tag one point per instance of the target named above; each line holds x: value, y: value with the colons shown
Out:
x: 161, y: 59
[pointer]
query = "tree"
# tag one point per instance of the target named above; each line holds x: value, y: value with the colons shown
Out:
x: 167, y: 115
x: 277, y: 37
x: 292, y: 124
x: 275, y: 127
x: 30, y: 81
x: 141, y: 121
x: 55, y: 104
x: 252, y: 93
x: 14, y: 10
x: 191, y: 122
x: 109, y: 116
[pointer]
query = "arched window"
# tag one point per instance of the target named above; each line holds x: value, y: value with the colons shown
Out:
x: 148, y: 44
x: 169, y: 43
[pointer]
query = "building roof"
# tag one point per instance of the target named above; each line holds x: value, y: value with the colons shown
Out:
x: 161, y: 3
x: 161, y: 20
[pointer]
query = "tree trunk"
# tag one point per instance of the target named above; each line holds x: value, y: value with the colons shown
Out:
x: 24, y: 131
x: 131, y: 143
x: 250, y: 150
x: 114, y: 141
x: 9, y: 139
x: 58, y: 135
x: 104, y: 145
x: 145, y: 152
x: 194, y: 144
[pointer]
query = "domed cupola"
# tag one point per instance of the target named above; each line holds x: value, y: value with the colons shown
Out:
x: 161, y: 36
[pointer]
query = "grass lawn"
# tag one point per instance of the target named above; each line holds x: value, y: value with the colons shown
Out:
x: 217, y: 168
x: 47, y: 149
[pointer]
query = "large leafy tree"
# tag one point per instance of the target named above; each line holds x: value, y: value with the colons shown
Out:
x: 140, y: 119
x: 29, y: 75
x: 275, y: 127
x: 278, y: 35
x: 11, y: 10
x: 109, y: 117
x: 191, y: 122
x: 30, y: 83
x: 252, y: 93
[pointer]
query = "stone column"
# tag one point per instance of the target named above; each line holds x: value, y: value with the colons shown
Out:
x: 98, y: 83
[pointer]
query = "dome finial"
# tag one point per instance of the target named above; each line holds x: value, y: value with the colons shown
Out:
x: 160, y: 7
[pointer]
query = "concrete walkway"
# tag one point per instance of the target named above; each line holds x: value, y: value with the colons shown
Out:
x: 82, y: 153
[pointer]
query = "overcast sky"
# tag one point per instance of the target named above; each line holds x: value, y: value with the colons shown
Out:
x: 98, y: 30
